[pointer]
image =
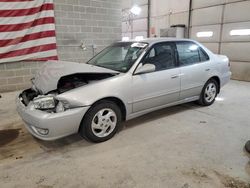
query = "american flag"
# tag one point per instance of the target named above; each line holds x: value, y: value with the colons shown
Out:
x: 27, y: 30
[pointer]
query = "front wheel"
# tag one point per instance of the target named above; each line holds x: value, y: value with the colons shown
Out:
x: 209, y: 93
x: 101, y: 122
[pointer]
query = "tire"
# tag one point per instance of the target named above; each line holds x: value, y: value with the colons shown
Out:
x: 101, y: 122
x: 247, y: 146
x: 209, y: 93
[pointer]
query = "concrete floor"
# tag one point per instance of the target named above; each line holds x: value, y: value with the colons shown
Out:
x: 183, y: 146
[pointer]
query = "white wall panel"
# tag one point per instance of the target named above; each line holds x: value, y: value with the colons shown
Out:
x: 232, y: 26
x: 214, y: 28
x: 206, y: 3
x: 163, y: 7
x: 236, y: 51
x: 206, y: 16
x: 240, y: 70
x: 141, y: 33
x: 125, y: 27
x: 237, y: 12
x: 179, y: 6
x: 127, y: 34
x: 214, y: 47
x: 140, y: 25
x: 179, y: 18
x: 160, y: 23
x: 130, y: 3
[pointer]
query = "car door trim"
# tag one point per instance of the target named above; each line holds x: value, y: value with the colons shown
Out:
x: 156, y: 96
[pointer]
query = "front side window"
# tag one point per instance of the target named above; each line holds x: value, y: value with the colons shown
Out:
x: 190, y: 53
x: 119, y: 57
x: 162, y: 55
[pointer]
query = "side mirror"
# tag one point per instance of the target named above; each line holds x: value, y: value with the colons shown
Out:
x: 146, y: 68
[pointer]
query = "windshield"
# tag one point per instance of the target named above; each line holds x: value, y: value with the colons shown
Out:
x: 120, y: 56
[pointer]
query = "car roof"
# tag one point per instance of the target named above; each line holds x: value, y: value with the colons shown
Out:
x: 151, y: 41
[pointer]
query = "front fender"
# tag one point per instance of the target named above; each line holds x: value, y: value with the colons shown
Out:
x: 118, y: 87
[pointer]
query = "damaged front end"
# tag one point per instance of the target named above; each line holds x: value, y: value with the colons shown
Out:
x: 56, y: 78
x: 73, y: 81
x: 49, y: 102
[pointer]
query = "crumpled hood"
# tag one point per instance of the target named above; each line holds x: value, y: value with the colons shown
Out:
x: 47, y: 78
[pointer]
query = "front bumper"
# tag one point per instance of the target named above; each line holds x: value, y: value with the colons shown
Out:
x: 58, y: 124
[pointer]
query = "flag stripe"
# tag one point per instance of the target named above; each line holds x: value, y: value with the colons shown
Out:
x: 14, y: 0
x: 24, y: 19
x: 30, y: 56
x: 18, y: 27
x: 47, y: 58
x: 25, y: 12
x: 25, y: 51
x: 39, y: 35
x: 27, y: 44
x: 16, y: 34
x: 23, y: 4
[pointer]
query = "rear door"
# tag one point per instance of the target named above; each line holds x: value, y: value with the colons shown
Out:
x: 194, y: 67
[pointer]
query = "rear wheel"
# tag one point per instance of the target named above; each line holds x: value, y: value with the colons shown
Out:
x: 101, y: 122
x: 209, y: 93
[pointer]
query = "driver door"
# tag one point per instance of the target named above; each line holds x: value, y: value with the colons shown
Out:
x: 160, y: 87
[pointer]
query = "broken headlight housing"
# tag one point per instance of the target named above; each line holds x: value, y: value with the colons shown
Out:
x: 50, y: 104
x: 62, y: 106
x: 44, y: 102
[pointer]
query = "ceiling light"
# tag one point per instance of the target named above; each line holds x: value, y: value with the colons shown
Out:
x: 205, y: 34
x: 136, y: 10
x: 240, y: 32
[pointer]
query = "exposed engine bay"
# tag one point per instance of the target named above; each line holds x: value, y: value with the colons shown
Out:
x: 70, y: 82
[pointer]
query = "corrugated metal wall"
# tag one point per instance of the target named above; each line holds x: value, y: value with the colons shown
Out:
x: 221, y: 17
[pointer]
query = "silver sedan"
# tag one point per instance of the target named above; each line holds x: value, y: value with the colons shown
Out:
x: 124, y: 81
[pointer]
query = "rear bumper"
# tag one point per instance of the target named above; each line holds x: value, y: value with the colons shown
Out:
x: 58, y: 124
x: 225, y: 78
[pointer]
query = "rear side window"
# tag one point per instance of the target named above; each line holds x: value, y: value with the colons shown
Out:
x: 190, y: 53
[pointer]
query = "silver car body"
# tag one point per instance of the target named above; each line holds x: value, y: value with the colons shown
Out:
x: 138, y: 94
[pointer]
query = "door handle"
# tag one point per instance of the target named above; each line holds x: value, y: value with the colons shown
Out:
x: 207, y: 70
x: 175, y: 76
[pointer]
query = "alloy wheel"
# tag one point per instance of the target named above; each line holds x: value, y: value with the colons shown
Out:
x: 104, y: 122
x: 210, y: 92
